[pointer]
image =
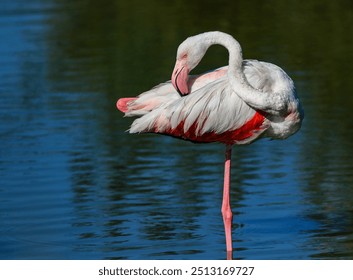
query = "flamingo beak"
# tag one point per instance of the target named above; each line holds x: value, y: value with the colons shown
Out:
x: 180, y: 77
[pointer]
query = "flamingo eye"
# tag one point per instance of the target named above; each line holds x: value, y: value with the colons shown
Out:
x: 184, y: 56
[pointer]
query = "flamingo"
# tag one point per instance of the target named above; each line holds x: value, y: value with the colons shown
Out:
x: 234, y: 105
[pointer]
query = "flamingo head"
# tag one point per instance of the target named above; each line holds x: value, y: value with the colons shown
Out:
x: 189, y: 55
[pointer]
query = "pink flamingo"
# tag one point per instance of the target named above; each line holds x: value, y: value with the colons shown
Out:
x: 235, y: 104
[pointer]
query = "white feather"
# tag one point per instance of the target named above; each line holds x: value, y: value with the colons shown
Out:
x: 149, y: 100
x: 214, y: 107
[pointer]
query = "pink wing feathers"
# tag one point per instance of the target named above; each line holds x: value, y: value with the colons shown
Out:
x: 147, y: 101
x: 123, y: 103
x: 164, y: 93
x: 212, y: 112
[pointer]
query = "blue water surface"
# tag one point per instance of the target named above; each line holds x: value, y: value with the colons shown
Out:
x: 75, y: 185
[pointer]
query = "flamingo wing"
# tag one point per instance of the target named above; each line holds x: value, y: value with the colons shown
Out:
x: 148, y: 100
x: 211, y: 113
x: 164, y: 93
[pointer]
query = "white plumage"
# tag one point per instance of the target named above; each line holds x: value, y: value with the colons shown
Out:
x: 214, y: 105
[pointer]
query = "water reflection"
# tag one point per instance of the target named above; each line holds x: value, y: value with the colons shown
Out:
x: 74, y: 185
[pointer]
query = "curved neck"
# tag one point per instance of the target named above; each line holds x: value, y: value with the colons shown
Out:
x: 268, y: 102
x: 235, y: 72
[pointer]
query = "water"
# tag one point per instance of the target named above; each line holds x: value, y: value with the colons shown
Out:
x: 74, y: 185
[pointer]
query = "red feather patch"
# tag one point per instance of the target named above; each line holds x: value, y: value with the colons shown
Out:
x: 229, y: 137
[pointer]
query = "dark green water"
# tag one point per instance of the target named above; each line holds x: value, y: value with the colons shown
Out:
x: 74, y: 185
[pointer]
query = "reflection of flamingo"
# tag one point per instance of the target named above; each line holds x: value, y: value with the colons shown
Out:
x: 237, y: 104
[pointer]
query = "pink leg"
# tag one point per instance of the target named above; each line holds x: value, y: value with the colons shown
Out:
x: 226, y: 210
